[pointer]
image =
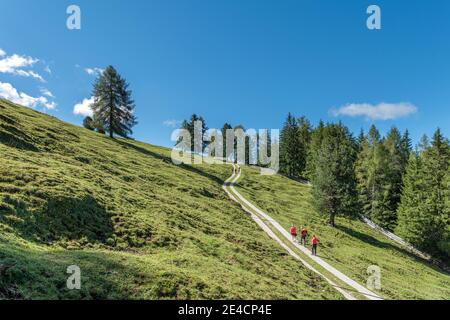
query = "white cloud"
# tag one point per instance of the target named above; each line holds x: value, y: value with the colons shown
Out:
x: 14, y: 65
x: 2, y: 53
x: 172, y: 123
x: 48, y: 70
x: 46, y: 92
x: 94, y: 71
x: 381, y: 111
x: 8, y: 92
x: 84, y: 107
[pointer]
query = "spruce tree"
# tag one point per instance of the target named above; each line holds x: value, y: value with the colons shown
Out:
x: 379, y: 171
x: 304, y: 139
x: 88, y: 123
x: 362, y: 166
x: 406, y: 148
x: 246, y: 145
x: 113, y: 106
x: 226, y: 127
x: 379, y: 188
x: 424, y: 212
x: 412, y: 218
x: 290, y: 152
x: 190, y: 127
x: 436, y: 165
x: 313, y: 149
x: 396, y: 165
x: 334, y: 182
x: 361, y: 139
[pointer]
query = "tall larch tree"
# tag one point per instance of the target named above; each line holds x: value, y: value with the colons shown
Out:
x: 113, y: 106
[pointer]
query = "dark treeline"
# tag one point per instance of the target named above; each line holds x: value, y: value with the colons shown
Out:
x: 402, y: 189
x: 229, y: 152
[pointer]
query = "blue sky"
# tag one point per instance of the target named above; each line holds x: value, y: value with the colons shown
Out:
x: 244, y: 62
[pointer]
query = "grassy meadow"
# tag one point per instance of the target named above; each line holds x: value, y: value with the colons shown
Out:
x: 352, y: 246
x: 138, y: 226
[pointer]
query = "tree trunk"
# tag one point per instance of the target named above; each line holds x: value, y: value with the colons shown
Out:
x: 332, y: 215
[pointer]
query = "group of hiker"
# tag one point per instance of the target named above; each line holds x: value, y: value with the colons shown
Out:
x: 303, y: 236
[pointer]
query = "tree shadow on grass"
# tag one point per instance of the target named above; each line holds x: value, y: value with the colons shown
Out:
x: 386, y: 245
x: 12, y: 137
x: 62, y: 218
x: 34, y: 274
x: 168, y: 160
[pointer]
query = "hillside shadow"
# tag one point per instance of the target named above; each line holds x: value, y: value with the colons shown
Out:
x: 386, y: 245
x: 46, y: 272
x: 62, y: 218
x: 13, y: 137
x: 169, y: 161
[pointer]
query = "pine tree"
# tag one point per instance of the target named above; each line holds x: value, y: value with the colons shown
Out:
x: 246, y: 145
x: 379, y: 171
x: 361, y: 139
x: 226, y: 127
x: 412, y: 219
x: 424, y: 211
x: 113, y: 106
x: 304, y: 138
x: 436, y: 165
x: 290, y: 152
x: 368, y: 172
x: 379, y: 188
x: 334, y: 182
x: 396, y: 165
x: 313, y: 149
x: 406, y: 148
x: 362, y: 166
x: 88, y: 123
x: 190, y: 127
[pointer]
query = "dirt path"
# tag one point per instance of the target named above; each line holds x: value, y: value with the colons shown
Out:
x: 265, y: 222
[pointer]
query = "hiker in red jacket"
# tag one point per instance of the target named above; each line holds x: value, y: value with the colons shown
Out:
x: 314, y: 242
x: 304, y: 234
x: 293, y: 232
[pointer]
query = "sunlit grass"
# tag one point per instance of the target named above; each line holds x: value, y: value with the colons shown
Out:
x: 139, y: 226
x: 352, y: 246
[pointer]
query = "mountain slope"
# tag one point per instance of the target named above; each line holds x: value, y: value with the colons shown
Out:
x: 352, y: 246
x: 138, y: 226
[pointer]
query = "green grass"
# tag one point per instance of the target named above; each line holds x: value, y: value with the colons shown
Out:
x: 138, y: 226
x: 352, y: 246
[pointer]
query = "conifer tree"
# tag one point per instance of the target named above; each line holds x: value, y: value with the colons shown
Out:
x: 290, y: 152
x: 424, y: 211
x: 334, y: 182
x: 113, y: 106
x: 88, y: 123
x: 361, y: 139
x: 313, y: 149
x: 304, y: 137
x: 379, y: 171
x: 396, y: 165
x: 226, y: 127
x: 190, y: 127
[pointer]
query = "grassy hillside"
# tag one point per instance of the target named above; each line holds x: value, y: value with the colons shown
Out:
x: 137, y: 225
x: 352, y: 246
